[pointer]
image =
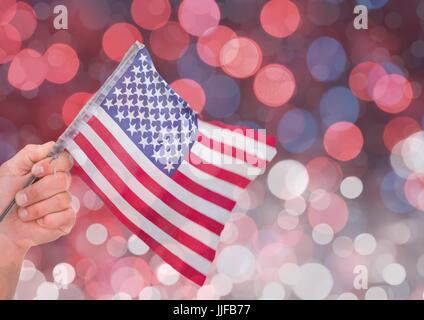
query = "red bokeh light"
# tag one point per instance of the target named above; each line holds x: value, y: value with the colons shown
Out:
x: 343, y: 141
x: 414, y: 191
x: 363, y: 78
x: 119, y: 38
x: 274, y: 85
x: 24, y: 20
x: 198, y: 16
x: 398, y: 129
x: 169, y: 42
x: 28, y: 70
x: 324, y: 173
x: 209, y: 45
x: 73, y: 105
x: 10, y: 43
x: 149, y: 14
x: 7, y: 11
x: 190, y: 91
x: 63, y: 63
x: 280, y: 18
x: 327, y: 208
x: 241, y: 57
x: 393, y: 93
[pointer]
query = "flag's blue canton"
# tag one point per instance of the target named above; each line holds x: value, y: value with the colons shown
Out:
x: 156, y: 119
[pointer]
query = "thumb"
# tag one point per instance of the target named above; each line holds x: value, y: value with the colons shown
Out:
x: 23, y: 161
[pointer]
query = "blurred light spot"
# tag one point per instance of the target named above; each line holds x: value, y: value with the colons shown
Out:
x: 324, y: 173
x: 169, y: 42
x: 398, y: 129
x: 280, y: 18
x: 209, y: 45
x: 149, y: 14
x: 393, y: 194
x: 222, y: 96
x: 365, y: 244
x: 274, y: 85
x: 167, y: 275
x: 287, y: 221
x: 289, y: 274
x: 315, y: 282
x: 7, y: 11
x: 351, y: 187
x: 295, y: 206
x: 393, y: 93
x: 191, y: 92
x: 394, y: 274
x: 222, y: 284
x: 343, y: 141
x: 28, y: 70
x: 363, y: 78
x: 326, y: 59
x: 47, y: 291
x: 347, y: 296
x: 322, y: 234
x: 327, y: 208
x: 373, y: 4
x: 240, y: 271
x: 273, y: 291
x: 338, y: 104
x: 63, y: 274
x: 198, y: 16
x: 63, y: 63
x: 10, y: 43
x: 118, y: 38
x: 116, y: 246
x: 73, y: 104
x: 376, y: 293
x: 96, y: 234
x: 343, y: 246
x: 412, y: 152
x: 24, y: 20
x: 297, y: 130
x: 150, y: 293
x: 288, y: 179
x: 137, y: 246
x: 414, y: 190
x: 241, y: 57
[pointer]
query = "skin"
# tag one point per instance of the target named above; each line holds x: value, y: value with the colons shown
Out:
x: 43, y: 212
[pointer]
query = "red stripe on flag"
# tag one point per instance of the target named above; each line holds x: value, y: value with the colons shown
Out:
x: 164, y: 253
x: 138, y: 204
x: 203, y: 192
x: 132, y: 166
x: 220, y: 173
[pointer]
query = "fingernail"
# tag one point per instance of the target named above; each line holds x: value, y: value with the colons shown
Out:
x: 23, y: 213
x: 21, y: 198
x: 37, y: 170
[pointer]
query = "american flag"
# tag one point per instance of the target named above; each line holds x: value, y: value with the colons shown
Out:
x: 171, y: 178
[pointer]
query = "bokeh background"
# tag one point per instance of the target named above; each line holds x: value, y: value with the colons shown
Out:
x: 345, y: 192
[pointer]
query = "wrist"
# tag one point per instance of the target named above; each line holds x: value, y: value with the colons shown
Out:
x: 11, y: 249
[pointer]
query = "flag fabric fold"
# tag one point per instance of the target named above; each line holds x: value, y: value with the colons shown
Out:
x: 168, y: 176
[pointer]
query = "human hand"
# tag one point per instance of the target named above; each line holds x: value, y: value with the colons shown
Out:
x: 43, y: 212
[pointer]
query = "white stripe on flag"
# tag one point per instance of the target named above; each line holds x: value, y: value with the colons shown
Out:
x: 181, y: 222
x: 184, y: 195
x: 190, y: 257
x: 211, y: 182
x: 224, y: 161
x: 238, y: 140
